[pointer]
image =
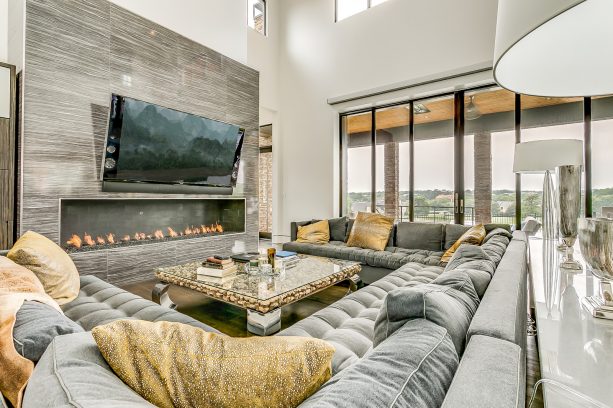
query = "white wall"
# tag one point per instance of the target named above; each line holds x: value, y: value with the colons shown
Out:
x: 3, y: 30
x: 396, y: 41
x: 218, y: 24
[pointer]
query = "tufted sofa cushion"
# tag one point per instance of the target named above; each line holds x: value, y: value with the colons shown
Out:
x: 392, y: 258
x: 348, y: 324
x: 100, y: 302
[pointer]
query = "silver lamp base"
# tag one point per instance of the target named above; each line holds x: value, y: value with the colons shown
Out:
x: 597, y: 307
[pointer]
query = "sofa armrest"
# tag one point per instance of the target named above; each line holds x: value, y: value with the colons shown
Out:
x: 491, y: 374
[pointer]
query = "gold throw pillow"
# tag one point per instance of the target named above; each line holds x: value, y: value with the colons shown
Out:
x: 316, y: 233
x: 371, y: 231
x: 474, y: 236
x: 51, y: 265
x: 176, y: 365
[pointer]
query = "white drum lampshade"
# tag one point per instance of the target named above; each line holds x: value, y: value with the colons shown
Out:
x: 556, y: 48
x: 542, y: 155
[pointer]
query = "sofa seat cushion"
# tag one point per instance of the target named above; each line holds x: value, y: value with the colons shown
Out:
x: 413, y: 368
x: 100, y: 302
x: 392, y: 258
x: 66, y: 372
x: 348, y: 324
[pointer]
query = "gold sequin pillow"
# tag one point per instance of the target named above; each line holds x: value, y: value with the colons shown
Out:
x: 177, y: 365
x: 371, y: 231
x: 474, y: 236
x: 316, y: 233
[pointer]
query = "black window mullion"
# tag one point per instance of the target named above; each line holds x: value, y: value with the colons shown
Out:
x: 373, y: 160
x: 458, y: 162
x: 411, y: 162
x: 587, y: 152
x: 517, y: 175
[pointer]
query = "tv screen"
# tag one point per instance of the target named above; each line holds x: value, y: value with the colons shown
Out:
x: 151, y: 143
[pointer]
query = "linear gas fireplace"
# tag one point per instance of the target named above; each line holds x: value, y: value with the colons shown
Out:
x: 93, y: 224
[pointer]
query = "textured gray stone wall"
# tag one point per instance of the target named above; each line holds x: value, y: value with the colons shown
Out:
x: 76, y: 54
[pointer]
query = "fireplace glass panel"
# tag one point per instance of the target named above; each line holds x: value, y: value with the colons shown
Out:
x: 88, y: 224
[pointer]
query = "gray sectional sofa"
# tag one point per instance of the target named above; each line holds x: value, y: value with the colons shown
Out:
x: 488, y: 372
x: 423, y: 243
x: 418, y: 365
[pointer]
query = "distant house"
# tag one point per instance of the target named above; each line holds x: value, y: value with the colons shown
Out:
x: 504, y: 206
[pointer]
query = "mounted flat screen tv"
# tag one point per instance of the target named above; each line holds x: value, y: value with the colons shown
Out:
x: 148, y: 143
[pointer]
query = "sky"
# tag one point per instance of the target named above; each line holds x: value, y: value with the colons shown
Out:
x: 434, y: 160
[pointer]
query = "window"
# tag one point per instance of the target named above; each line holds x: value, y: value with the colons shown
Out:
x: 256, y: 15
x: 357, y: 142
x: 546, y: 118
x: 602, y: 151
x: 489, y: 143
x: 449, y: 158
x: 347, y: 8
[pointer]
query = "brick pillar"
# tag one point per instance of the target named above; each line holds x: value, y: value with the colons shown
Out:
x: 390, y: 174
x: 483, y: 177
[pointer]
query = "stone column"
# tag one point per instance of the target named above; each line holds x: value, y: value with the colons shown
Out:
x: 483, y: 177
x: 390, y: 174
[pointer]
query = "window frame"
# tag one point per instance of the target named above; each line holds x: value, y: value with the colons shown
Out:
x: 250, y: 9
x: 458, y: 150
x: 336, y: 20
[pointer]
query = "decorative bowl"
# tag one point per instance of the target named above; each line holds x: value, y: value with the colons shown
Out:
x: 596, y: 243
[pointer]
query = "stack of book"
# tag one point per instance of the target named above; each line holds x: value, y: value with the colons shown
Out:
x: 217, y: 268
x: 289, y: 258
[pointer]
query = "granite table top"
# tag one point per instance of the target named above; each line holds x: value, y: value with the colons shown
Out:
x: 260, y: 293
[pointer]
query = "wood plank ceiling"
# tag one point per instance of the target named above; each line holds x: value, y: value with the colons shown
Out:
x: 493, y: 101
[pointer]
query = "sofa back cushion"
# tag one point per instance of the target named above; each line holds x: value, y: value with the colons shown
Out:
x: 420, y: 235
x: 36, y: 325
x: 413, y: 368
x: 443, y: 305
x: 453, y: 232
x: 338, y: 228
x: 471, y: 257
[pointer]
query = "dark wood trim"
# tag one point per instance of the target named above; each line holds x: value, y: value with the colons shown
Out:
x: 458, y: 158
x: 8, y: 155
x: 587, y: 151
x: 342, y: 177
x: 373, y: 160
x: 266, y: 149
x: 517, y: 175
x: 411, y: 162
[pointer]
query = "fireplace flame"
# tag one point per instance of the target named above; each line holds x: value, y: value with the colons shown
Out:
x: 88, y: 239
x: 76, y: 242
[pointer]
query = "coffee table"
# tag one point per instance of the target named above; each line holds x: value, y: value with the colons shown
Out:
x: 262, y: 296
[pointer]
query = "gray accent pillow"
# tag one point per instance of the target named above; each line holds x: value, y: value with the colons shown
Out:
x: 350, y: 222
x: 453, y: 232
x: 36, y: 325
x: 73, y: 373
x: 497, y: 231
x: 471, y: 257
x: 413, y: 368
x: 338, y: 228
x: 443, y: 305
x: 420, y: 235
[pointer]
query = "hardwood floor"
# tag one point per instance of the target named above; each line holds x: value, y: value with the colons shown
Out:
x: 232, y: 320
